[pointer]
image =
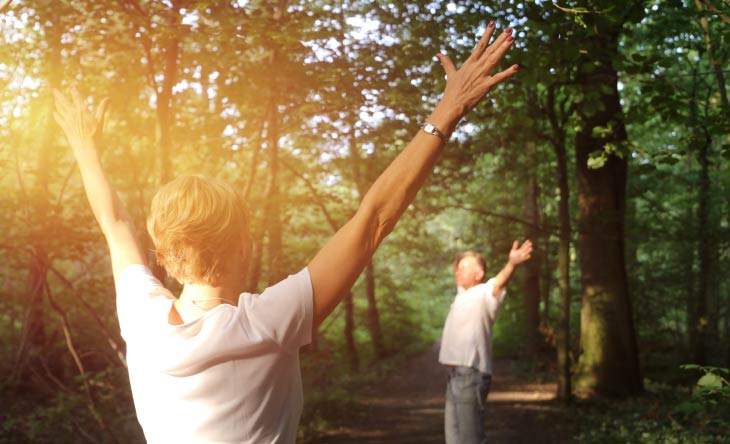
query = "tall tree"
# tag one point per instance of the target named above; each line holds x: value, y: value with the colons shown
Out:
x: 532, y: 267
x: 609, y: 361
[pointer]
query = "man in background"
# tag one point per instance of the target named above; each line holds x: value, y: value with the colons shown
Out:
x: 466, y: 344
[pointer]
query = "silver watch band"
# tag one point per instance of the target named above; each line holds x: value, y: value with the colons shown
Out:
x: 431, y: 129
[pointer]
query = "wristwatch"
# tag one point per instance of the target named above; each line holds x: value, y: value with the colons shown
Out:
x: 431, y: 129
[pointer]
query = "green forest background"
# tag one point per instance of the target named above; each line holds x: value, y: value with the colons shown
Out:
x: 609, y: 149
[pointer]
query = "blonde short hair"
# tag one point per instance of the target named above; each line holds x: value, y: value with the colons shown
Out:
x: 197, y: 223
x: 470, y: 253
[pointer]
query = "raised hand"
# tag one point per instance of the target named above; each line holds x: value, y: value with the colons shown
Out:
x: 520, y: 254
x: 466, y: 86
x: 80, y: 126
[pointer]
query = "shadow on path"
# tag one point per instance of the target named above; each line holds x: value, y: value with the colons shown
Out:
x: 408, y: 408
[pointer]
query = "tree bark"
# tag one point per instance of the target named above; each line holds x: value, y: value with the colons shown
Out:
x: 707, y: 224
x: 716, y: 64
x: 272, y: 207
x: 609, y: 363
x: 698, y: 319
x: 563, y: 333
x: 558, y: 118
x: 271, y: 220
x: 165, y: 110
x: 352, y: 356
x: 33, y: 334
x: 702, y: 322
x: 373, y: 316
x: 532, y: 267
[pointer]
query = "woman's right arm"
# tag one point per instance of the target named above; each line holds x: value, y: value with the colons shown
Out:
x: 336, y: 266
x: 82, y: 129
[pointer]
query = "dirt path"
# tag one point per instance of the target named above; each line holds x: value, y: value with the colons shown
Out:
x: 409, y: 407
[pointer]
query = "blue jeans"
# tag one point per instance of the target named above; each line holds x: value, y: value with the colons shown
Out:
x: 466, y: 399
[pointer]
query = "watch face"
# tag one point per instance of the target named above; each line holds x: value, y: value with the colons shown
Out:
x: 429, y: 128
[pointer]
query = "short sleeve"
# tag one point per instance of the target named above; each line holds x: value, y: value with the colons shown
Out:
x: 140, y: 298
x: 283, y: 312
x: 489, y: 291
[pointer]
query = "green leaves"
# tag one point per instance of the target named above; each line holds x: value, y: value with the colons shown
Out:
x: 713, y: 381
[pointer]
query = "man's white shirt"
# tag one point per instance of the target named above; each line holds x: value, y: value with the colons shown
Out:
x: 467, y: 335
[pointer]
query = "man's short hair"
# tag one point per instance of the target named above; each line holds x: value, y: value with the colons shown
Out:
x: 475, y: 255
x: 197, y: 224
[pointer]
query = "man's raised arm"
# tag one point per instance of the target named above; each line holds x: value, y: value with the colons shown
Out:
x: 336, y: 267
x: 517, y: 255
x: 82, y: 129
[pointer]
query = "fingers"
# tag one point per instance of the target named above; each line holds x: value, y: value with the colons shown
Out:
x: 515, y: 245
x: 483, y: 42
x: 59, y: 99
x: 502, y: 49
x: 58, y: 119
x: 491, y: 81
x: 101, y: 112
x: 76, y: 96
x: 446, y: 62
x: 527, y: 247
x: 497, y: 50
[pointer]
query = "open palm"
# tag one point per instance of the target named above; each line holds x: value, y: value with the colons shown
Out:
x: 77, y: 122
x: 520, y: 254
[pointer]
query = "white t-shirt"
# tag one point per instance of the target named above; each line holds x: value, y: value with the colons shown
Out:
x: 230, y: 376
x: 467, y: 336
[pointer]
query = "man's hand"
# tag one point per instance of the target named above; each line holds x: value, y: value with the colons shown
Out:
x: 80, y: 126
x: 519, y: 254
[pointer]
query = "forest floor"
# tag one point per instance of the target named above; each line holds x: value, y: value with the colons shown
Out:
x: 408, y: 408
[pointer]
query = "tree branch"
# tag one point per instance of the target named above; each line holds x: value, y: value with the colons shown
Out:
x: 541, y: 228
x: 314, y: 194
x: 576, y: 11
x: 712, y: 8
x: 115, y: 346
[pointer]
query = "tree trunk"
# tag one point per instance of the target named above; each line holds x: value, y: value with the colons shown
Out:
x: 558, y: 118
x: 532, y: 267
x: 272, y: 207
x: 373, y: 317
x: 165, y: 116
x: 609, y: 363
x: 702, y: 323
x: 716, y: 64
x: 563, y: 333
x: 352, y: 356
x: 270, y: 222
x: 708, y: 225
x: 690, y: 285
x: 33, y: 334
x: 141, y: 20
x: 547, y: 277
x: 698, y: 315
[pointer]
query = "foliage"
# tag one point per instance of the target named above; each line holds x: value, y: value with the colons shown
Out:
x: 666, y: 414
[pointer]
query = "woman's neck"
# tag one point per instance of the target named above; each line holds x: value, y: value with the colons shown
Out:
x: 208, y: 296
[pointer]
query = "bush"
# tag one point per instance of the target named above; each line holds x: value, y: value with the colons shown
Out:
x: 666, y: 415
